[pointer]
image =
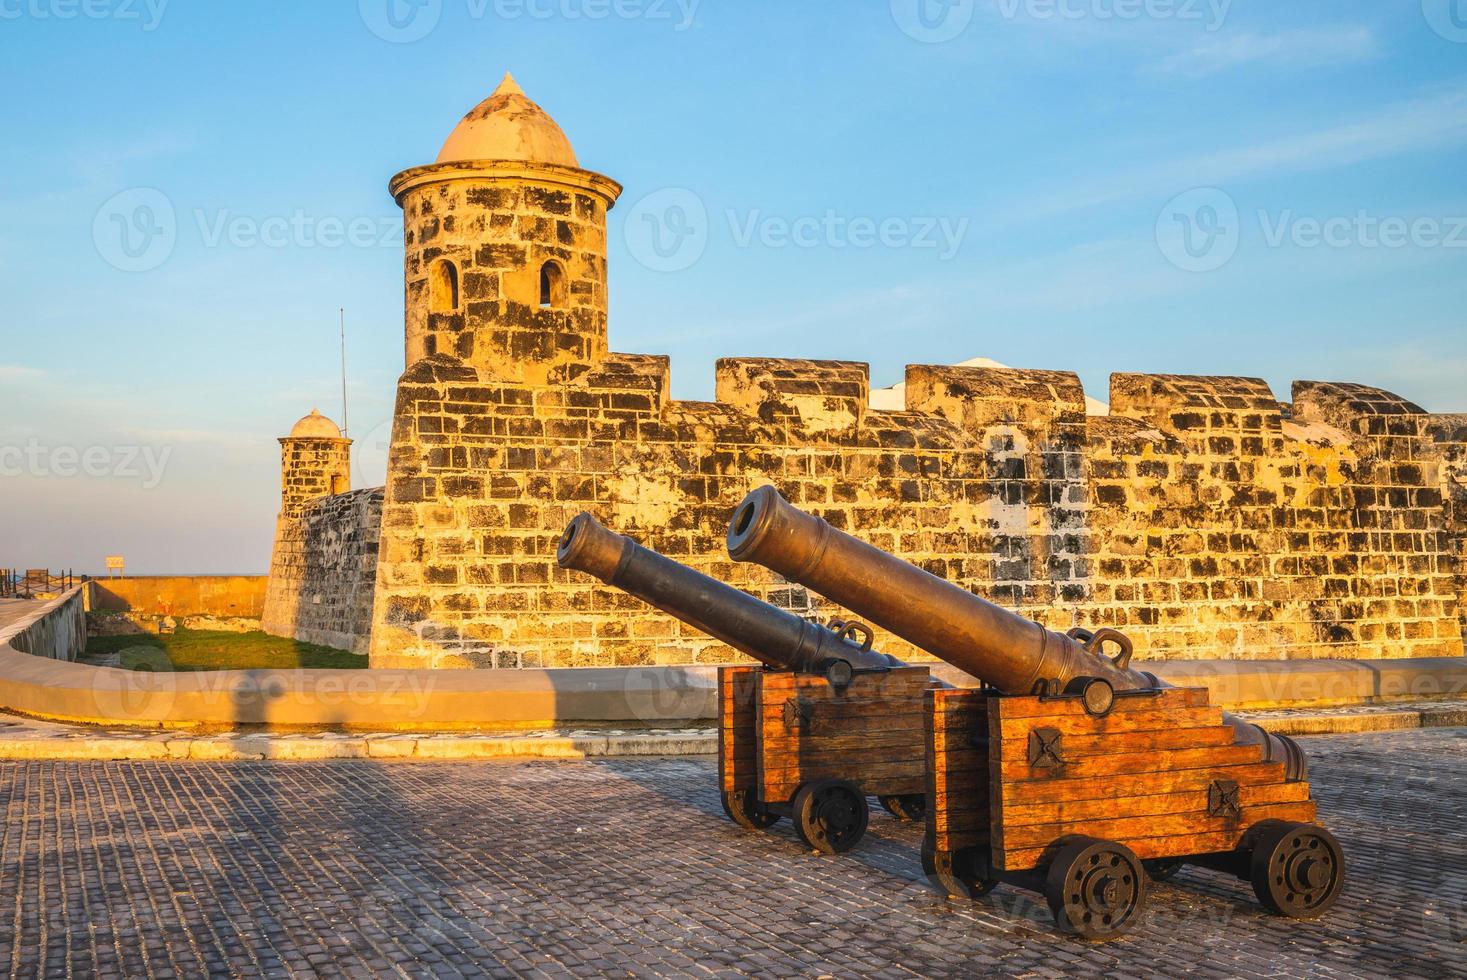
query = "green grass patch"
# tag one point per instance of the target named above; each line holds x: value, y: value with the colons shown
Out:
x: 188, y: 650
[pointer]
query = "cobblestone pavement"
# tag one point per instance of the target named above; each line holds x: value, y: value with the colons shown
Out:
x: 628, y: 867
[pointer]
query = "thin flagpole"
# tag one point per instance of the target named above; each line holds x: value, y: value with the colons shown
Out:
x: 345, y: 427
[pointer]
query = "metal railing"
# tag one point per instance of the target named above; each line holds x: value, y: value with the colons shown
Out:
x: 31, y: 582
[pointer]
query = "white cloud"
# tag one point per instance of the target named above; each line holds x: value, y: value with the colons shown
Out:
x: 17, y: 374
x: 1292, y: 49
x: 231, y: 444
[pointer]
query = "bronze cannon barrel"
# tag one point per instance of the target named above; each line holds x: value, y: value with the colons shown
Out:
x: 1013, y: 654
x: 771, y: 635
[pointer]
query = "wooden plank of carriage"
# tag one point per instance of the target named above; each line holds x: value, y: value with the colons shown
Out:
x: 737, y: 737
x: 867, y: 704
x: 871, y: 713
x: 1080, y: 723
x: 869, y: 733
x: 1181, y: 845
x: 1126, y: 829
x: 1167, y: 699
x: 795, y: 753
x: 899, y: 683
x: 1014, y: 770
x: 957, y: 769
x: 824, y: 742
x: 1124, y: 743
x: 1138, y: 784
x: 1075, y: 811
x: 949, y: 819
x: 779, y: 783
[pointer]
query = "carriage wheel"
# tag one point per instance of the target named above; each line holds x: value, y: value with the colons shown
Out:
x: 953, y: 873
x: 1096, y: 888
x: 1164, y: 869
x: 1298, y: 869
x: 743, y: 809
x: 912, y: 806
x: 831, y: 815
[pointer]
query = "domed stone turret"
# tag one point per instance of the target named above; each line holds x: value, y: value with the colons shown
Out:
x: 508, y: 126
x: 315, y: 461
x: 505, y: 247
x: 315, y: 426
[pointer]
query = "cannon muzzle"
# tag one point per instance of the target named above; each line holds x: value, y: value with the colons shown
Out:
x: 1013, y: 654
x: 767, y: 633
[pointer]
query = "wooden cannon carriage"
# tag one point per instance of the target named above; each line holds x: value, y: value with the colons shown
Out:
x: 1070, y: 773
x: 1084, y: 802
x: 800, y: 746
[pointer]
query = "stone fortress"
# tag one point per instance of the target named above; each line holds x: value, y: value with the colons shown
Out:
x: 1200, y: 515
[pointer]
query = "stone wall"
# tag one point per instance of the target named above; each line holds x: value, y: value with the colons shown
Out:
x: 56, y: 629
x: 1204, y: 518
x: 323, y: 575
x: 1223, y: 526
x: 1448, y: 434
x: 231, y: 596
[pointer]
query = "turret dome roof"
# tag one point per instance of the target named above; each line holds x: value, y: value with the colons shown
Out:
x: 315, y: 426
x: 508, y: 126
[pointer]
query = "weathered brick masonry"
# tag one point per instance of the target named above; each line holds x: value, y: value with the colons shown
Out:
x: 1449, y: 436
x: 1230, y: 523
x: 1202, y: 516
x: 1196, y: 518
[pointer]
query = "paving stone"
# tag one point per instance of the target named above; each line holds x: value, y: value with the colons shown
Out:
x: 628, y: 867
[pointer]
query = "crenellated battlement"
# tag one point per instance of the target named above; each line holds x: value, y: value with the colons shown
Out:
x: 1356, y: 408
x: 1202, y: 516
x: 975, y: 399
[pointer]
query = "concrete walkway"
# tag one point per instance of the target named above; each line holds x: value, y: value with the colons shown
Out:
x: 14, y: 610
x: 23, y: 738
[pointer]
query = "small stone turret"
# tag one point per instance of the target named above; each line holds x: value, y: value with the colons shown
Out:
x: 324, y: 560
x: 505, y: 247
x: 315, y: 461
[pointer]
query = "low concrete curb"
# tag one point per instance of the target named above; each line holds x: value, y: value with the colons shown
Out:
x: 1361, y: 720
x: 25, y: 739
x: 470, y: 701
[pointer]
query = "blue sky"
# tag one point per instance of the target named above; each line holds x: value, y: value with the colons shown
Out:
x: 1188, y: 186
